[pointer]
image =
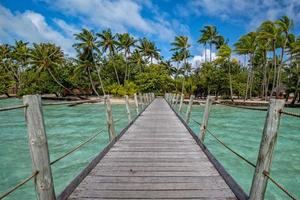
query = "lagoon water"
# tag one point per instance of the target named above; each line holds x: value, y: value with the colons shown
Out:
x: 67, y: 127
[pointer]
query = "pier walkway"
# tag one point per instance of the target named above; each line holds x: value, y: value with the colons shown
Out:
x: 156, y: 158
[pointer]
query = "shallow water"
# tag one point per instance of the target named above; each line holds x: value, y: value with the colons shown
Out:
x: 241, y: 130
x: 67, y: 127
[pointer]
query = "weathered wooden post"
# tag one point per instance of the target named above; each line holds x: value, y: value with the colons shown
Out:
x: 176, y: 101
x: 127, y: 108
x: 189, y: 109
x: 136, y: 103
x: 267, y: 145
x: 205, y: 117
x: 109, y: 119
x: 39, y: 147
x: 141, y: 100
x: 181, y: 102
x: 173, y: 99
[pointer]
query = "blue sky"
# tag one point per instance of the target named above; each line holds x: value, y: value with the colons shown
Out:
x: 159, y: 20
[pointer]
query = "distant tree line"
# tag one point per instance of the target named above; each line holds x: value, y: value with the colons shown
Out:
x: 120, y: 64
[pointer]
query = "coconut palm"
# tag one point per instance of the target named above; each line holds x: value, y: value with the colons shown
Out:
x: 285, y: 25
x: 246, y: 45
x: 203, y: 40
x: 47, y: 57
x: 210, y: 33
x: 148, y: 49
x: 268, y: 30
x: 224, y: 54
x: 125, y: 42
x: 86, y: 48
x: 181, y: 44
x: 108, y: 43
x: 137, y: 59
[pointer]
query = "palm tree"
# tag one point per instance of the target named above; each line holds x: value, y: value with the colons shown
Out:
x: 285, y: 25
x: 182, y: 45
x: 47, y: 57
x: 210, y: 33
x: 125, y: 42
x: 203, y: 40
x: 137, y: 59
x: 247, y: 45
x: 108, y: 43
x: 86, y: 47
x: 224, y: 54
x: 148, y: 49
x: 269, y: 31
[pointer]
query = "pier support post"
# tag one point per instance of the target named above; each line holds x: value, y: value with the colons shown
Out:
x: 136, y: 103
x: 205, y: 117
x: 267, y: 145
x: 39, y: 147
x: 127, y: 108
x: 181, y: 102
x: 176, y: 100
x: 141, y: 100
x: 189, y: 109
x: 109, y: 119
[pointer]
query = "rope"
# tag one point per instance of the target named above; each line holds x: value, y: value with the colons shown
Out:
x: 291, y: 114
x: 77, y: 147
x: 21, y: 183
x: 196, y: 121
x: 230, y: 149
x: 13, y: 107
x: 279, y: 186
x: 117, y: 120
x: 243, y: 107
x: 72, y: 103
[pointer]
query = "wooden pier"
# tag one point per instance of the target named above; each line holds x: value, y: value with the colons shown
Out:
x: 156, y: 158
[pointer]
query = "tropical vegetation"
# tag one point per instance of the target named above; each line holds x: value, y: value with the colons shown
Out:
x: 259, y: 64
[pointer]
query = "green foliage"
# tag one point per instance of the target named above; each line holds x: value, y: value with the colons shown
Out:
x: 155, y: 79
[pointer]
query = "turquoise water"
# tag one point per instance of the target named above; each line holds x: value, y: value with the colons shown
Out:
x: 241, y: 130
x: 66, y: 127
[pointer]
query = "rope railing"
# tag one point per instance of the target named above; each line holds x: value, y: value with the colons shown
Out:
x: 230, y: 149
x: 291, y: 114
x: 77, y: 147
x: 195, y: 121
x: 279, y: 185
x: 20, y: 184
x: 72, y: 102
x: 12, y: 107
x: 242, y: 107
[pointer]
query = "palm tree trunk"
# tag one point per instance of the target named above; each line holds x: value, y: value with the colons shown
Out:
x: 274, y: 62
x: 205, y: 53
x: 91, y: 81
x: 210, y: 48
x: 100, y: 79
x: 280, y: 64
x: 265, y: 90
x: 126, y: 67
x: 60, y: 84
x: 230, y: 83
x: 116, y: 72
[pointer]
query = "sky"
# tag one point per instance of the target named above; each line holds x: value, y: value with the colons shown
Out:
x: 159, y: 20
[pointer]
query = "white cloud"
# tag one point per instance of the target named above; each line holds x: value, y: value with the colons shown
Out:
x: 199, y: 59
x: 119, y: 15
x: 30, y: 26
x: 251, y: 13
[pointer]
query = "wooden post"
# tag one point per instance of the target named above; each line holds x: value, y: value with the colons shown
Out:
x: 181, y: 102
x: 136, y: 103
x: 176, y: 101
x: 205, y: 117
x: 141, y: 100
x: 127, y: 108
x: 39, y: 147
x: 109, y: 119
x: 189, y: 109
x: 267, y: 145
x: 173, y: 99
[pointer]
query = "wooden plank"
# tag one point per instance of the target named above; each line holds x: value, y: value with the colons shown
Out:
x: 157, y: 158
